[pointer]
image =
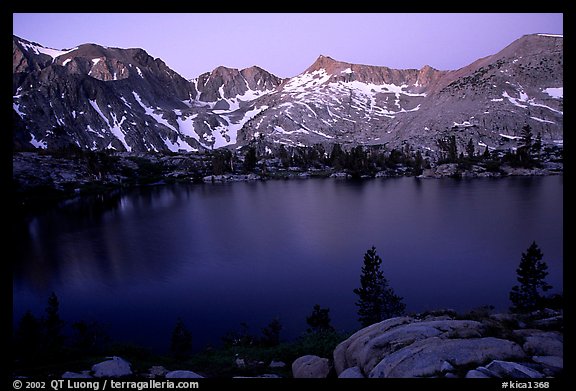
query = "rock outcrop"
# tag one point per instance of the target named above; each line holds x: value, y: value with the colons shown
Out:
x: 183, y: 374
x: 115, y: 367
x: 311, y: 367
x: 445, y: 346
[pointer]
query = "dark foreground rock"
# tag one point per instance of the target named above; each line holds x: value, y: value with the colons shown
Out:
x: 442, y: 344
x: 497, y: 346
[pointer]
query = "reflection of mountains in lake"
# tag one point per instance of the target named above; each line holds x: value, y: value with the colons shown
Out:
x: 221, y: 254
x: 80, y: 239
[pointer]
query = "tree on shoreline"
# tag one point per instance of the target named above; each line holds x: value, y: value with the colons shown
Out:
x: 377, y: 300
x: 531, y: 273
x: 181, y: 342
x: 53, y: 324
x: 271, y: 333
x: 319, y: 320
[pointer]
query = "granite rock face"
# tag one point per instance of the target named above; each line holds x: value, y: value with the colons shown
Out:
x: 115, y: 367
x: 433, y: 346
x: 311, y: 367
x: 182, y: 374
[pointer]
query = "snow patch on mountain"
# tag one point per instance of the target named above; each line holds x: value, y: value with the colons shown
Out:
x: 115, y: 127
x: 464, y: 124
x: 38, y: 49
x: 150, y: 111
x: 38, y: 143
x: 17, y: 110
x: 179, y: 145
x: 281, y: 130
x: 542, y: 120
x: 231, y: 131
x: 552, y: 35
x: 234, y: 103
x: 186, y: 126
x: 555, y: 92
x: 307, y: 80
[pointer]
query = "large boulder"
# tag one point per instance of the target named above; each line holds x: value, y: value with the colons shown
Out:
x: 346, y: 353
x: 426, y: 357
x: 157, y: 371
x: 542, y: 343
x: 506, y: 369
x: 351, y: 373
x: 277, y: 364
x: 550, y: 365
x: 180, y: 374
x: 115, y: 367
x: 439, y: 344
x: 555, y: 362
x: 311, y: 367
x: 477, y: 374
x: 368, y: 346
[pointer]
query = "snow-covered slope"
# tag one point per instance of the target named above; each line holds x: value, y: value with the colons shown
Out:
x: 334, y: 101
x: 94, y: 97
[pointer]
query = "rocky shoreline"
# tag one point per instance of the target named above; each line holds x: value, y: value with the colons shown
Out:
x: 442, y: 345
x: 437, y: 344
x: 39, y: 177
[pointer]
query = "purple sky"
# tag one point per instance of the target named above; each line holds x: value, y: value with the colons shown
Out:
x: 285, y: 44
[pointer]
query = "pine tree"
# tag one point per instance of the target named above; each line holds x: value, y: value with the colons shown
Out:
x: 537, y: 146
x: 181, y: 343
x: 531, y: 273
x: 250, y: 160
x: 88, y: 337
x: 470, y: 149
x: 524, y: 151
x: 271, y: 333
x: 284, y: 156
x: 448, y: 149
x: 377, y: 301
x: 28, y: 337
x: 526, y: 134
x: 53, y: 326
x: 418, y: 163
x: 319, y: 320
x: 337, y: 157
x: 221, y: 162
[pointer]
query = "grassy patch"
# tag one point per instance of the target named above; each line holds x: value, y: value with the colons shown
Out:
x: 257, y: 359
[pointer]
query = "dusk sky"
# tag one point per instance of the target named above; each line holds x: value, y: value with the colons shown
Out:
x: 285, y: 44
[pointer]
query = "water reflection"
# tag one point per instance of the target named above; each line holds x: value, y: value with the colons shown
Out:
x: 221, y: 254
x: 107, y: 238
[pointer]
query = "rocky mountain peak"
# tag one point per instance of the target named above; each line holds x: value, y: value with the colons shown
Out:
x: 225, y: 73
x: 328, y: 64
x: 31, y: 56
x: 100, y: 98
x: 260, y: 80
x: 533, y: 44
x: 225, y: 83
x: 340, y: 71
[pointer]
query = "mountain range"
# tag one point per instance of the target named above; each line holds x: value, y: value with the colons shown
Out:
x: 97, y: 98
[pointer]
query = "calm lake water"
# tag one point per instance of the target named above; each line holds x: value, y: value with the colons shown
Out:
x: 218, y: 255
